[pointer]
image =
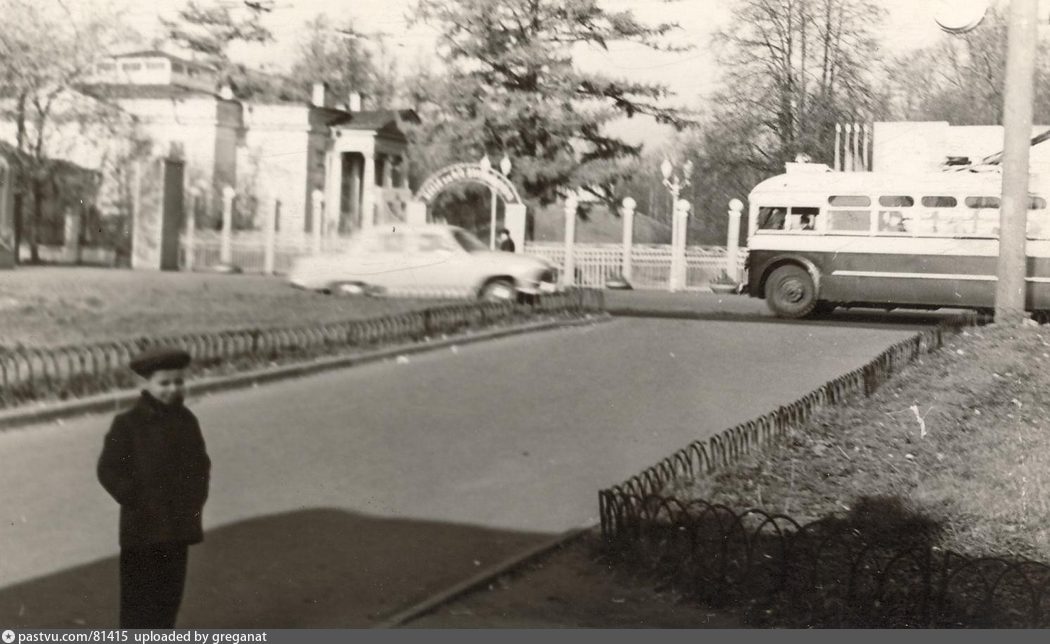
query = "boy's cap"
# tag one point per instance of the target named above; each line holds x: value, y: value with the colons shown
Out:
x: 157, y: 359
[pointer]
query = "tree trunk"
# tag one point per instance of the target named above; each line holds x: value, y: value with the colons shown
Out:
x: 18, y: 180
x: 38, y: 218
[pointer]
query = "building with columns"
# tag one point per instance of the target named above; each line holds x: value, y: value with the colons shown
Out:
x: 275, y: 154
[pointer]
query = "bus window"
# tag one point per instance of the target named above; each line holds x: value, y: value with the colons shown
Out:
x: 939, y: 202
x: 771, y: 218
x: 897, y: 219
x: 896, y: 201
x: 893, y: 221
x: 849, y: 201
x: 849, y: 220
x: 1038, y: 227
x: 804, y: 219
x: 982, y: 202
x: 984, y: 217
x: 936, y: 216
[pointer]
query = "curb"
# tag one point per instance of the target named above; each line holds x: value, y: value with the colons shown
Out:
x: 480, y: 579
x: 117, y: 400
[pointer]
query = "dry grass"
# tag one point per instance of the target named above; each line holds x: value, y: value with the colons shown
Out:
x: 46, y: 306
x: 962, y: 438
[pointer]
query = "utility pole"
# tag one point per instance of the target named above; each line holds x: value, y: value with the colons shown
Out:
x: 1017, y: 131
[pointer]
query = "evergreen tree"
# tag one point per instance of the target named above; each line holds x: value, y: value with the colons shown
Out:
x: 512, y: 88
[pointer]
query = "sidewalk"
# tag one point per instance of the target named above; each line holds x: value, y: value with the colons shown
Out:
x: 690, y: 304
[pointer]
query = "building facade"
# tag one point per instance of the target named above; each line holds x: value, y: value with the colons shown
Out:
x: 275, y: 155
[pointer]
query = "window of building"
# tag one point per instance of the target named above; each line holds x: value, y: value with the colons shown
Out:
x: 156, y: 65
x: 131, y: 67
x: 178, y: 68
x: 107, y: 67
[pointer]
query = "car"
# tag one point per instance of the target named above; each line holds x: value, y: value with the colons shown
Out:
x: 433, y: 260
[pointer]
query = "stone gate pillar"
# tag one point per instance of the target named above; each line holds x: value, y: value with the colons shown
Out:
x: 514, y: 222
x: 158, y: 215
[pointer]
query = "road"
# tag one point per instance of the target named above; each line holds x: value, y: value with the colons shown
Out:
x: 341, y: 498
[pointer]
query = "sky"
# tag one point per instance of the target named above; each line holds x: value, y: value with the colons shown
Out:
x: 910, y: 23
x: 689, y: 75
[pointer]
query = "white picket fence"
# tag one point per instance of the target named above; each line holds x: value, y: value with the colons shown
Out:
x: 595, y: 263
x: 650, y: 263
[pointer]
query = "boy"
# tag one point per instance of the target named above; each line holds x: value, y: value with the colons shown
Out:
x: 154, y: 464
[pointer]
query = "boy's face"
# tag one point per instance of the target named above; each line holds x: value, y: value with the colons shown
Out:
x: 167, y: 385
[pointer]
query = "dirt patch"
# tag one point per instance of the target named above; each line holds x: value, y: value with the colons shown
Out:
x: 572, y: 587
x: 959, y: 437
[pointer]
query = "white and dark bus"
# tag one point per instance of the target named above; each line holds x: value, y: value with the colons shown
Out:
x: 819, y: 239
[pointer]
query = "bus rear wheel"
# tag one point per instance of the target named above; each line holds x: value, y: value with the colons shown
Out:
x: 790, y: 292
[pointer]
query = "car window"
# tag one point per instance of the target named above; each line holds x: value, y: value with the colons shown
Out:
x: 469, y: 242
x: 364, y: 245
x: 392, y: 243
x: 430, y: 243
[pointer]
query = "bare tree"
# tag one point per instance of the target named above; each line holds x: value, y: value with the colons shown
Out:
x: 48, y: 54
x: 960, y: 78
x: 795, y: 68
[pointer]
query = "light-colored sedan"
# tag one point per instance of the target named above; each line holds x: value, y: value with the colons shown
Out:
x: 431, y: 260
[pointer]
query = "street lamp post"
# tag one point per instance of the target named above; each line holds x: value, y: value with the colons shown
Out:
x: 1017, y: 130
x: 961, y: 17
x: 675, y: 184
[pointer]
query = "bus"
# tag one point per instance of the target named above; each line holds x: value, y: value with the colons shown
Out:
x: 819, y: 239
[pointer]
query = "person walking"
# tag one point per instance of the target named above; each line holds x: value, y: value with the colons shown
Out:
x: 506, y: 244
x: 155, y: 465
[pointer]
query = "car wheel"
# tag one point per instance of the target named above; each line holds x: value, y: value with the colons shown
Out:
x: 499, y: 290
x: 790, y: 292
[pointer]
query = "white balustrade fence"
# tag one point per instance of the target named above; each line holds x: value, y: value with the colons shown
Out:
x: 651, y: 263
x: 595, y: 263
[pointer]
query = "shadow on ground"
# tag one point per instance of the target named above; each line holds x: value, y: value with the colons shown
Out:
x: 861, y: 318
x: 877, y: 566
x: 308, y: 569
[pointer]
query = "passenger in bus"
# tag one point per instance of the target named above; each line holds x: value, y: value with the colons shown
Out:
x: 893, y: 222
x: 808, y: 222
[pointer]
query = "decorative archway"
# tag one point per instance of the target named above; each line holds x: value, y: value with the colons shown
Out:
x: 514, y: 218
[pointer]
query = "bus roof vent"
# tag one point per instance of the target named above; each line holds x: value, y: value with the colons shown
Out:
x: 794, y: 168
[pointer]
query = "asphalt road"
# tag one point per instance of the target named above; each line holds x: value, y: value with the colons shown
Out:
x: 341, y: 498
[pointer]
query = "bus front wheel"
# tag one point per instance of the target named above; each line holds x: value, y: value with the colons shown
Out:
x: 790, y: 292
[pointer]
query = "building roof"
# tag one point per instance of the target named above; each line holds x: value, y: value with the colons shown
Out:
x: 120, y: 90
x: 157, y: 53
x: 374, y: 119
